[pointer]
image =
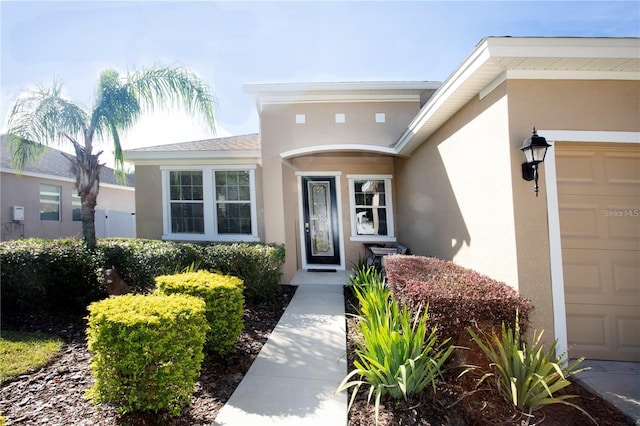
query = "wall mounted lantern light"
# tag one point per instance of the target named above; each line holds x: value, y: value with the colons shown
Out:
x: 534, y: 149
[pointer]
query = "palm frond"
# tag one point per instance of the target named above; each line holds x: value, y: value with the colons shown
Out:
x: 42, y: 116
x: 174, y: 87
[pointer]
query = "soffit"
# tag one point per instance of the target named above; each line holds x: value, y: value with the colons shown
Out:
x: 496, y: 59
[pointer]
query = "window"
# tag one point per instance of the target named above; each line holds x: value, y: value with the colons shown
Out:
x: 210, y: 204
x: 49, y: 202
x: 371, y: 208
x: 76, y: 208
x: 233, y: 202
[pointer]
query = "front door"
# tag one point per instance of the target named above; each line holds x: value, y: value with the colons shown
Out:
x: 320, y: 220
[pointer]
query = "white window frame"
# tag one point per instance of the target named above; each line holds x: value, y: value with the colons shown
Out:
x: 209, y: 204
x: 390, y: 237
x: 58, y: 204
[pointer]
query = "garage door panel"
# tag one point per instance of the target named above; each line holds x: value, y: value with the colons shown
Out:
x: 599, y: 209
x: 601, y: 277
x: 623, y: 171
x: 611, y: 222
x: 594, y: 169
x: 598, y: 332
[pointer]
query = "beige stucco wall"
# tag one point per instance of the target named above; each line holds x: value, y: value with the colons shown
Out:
x: 24, y: 191
x: 279, y: 133
x: 148, y: 202
x: 461, y: 195
x: 454, y: 194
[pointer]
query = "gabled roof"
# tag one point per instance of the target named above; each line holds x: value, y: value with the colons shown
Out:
x: 243, y: 146
x: 496, y: 59
x: 56, y: 165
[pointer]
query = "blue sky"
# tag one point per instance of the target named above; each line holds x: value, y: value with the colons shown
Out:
x: 233, y: 43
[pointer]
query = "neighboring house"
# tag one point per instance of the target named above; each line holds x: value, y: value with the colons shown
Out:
x: 436, y: 167
x: 41, y: 200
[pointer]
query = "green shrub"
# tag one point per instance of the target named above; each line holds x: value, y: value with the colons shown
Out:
x: 258, y: 265
x: 48, y: 275
x: 395, y: 354
x: 139, y: 261
x: 457, y: 297
x: 224, y: 304
x: 527, y: 376
x: 146, y: 350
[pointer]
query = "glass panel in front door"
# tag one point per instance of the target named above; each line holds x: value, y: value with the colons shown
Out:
x: 320, y: 218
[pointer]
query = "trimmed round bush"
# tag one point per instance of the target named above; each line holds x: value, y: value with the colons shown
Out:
x: 223, y: 296
x: 146, y: 351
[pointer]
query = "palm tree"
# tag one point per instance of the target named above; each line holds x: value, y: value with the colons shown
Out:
x: 42, y: 117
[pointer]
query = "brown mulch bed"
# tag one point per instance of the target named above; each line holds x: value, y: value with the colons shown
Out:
x: 455, y: 402
x: 55, y: 394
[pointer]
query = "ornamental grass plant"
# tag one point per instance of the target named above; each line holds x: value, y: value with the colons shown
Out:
x: 395, y: 355
x: 527, y: 376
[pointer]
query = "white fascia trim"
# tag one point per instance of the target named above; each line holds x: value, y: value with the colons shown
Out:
x: 563, y: 47
x: 474, y: 61
x: 176, y: 155
x: 333, y: 148
x: 269, y: 99
x: 210, y: 167
x: 553, y: 217
x: 590, y: 136
x: 339, y: 86
x: 556, y: 75
x: 64, y: 179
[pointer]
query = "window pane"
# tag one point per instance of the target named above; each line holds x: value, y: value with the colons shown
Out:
x: 371, y: 221
x: 233, y: 186
x: 370, y: 204
x: 369, y: 193
x: 185, y: 185
x: 187, y: 218
x: 49, y: 202
x: 234, y: 218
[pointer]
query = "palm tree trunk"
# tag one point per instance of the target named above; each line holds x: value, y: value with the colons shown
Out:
x: 86, y: 168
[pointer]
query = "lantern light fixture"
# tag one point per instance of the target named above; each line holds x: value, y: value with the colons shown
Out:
x: 534, y: 149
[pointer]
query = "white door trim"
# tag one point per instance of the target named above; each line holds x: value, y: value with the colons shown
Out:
x: 553, y: 216
x: 301, y: 231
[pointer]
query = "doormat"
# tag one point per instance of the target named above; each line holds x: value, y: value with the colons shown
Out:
x: 321, y: 270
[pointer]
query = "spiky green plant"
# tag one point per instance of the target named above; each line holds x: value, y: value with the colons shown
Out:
x: 395, y: 354
x: 527, y: 376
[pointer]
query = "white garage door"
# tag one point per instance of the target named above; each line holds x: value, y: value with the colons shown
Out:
x: 599, y: 201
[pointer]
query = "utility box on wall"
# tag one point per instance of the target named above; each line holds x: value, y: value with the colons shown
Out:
x: 17, y: 213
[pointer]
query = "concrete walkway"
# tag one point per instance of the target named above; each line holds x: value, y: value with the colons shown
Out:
x: 615, y: 381
x: 293, y: 379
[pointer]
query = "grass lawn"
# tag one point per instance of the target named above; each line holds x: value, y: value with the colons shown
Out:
x: 21, y: 352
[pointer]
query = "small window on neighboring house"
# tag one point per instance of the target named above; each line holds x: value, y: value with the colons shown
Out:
x: 76, y: 208
x: 301, y: 118
x: 49, y: 202
x: 371, y: 207
x: 214, y: 203
x: 380, y: 117
x: 341, y: 118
